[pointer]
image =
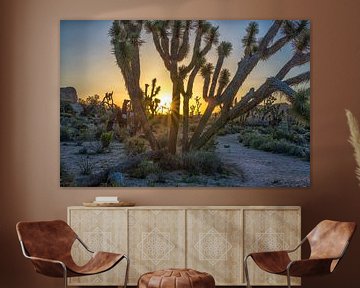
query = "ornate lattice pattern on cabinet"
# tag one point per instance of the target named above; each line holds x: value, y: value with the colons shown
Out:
x: 211, y: 239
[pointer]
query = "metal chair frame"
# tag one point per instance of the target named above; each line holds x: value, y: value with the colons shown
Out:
x: 26, y: 255
x: 288, y: 276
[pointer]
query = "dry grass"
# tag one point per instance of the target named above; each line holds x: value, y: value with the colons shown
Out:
x: 354, y: 140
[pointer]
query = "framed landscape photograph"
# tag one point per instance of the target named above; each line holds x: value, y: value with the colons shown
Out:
x: 185, y: 103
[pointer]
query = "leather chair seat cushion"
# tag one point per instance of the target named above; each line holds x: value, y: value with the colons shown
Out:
x: 176, y: 278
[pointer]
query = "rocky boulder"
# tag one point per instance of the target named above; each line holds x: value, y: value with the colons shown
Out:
x: 68, y: 94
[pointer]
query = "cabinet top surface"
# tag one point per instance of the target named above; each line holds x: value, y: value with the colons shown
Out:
x: 192, y: 207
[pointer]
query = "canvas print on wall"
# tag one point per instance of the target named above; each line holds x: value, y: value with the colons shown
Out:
x: 185, y: 103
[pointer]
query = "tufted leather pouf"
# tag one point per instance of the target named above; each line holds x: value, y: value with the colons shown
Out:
x: 176, y: 278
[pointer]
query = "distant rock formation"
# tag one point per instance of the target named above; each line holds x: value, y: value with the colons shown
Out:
x: 68, y: 94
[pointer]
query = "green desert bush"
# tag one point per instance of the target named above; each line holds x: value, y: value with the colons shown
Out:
x: 145, y: 168
x: 169, y: 162
x: 230, y: 128
x: 276, y: 141
x: 202, y: 162
x: 106, y: 138
x: 66, y: 134
x: 165, y: 160
x: 86, y: 135
x: 135, y: 145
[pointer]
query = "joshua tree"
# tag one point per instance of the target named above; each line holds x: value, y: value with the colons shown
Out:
x: 150, y: 103
x: 295, y: 32
x: 154, y: 106
x: 249, y: 41
x: 192, y: 110
x: 223, y: 51
x: 108, y: 100
x: 125, y: 39
x: 301, y: 105
x: 171, y: 39
x: 198, y: 105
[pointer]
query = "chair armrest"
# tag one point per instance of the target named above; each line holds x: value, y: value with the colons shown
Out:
x: 49, y: 267
x: 46, y: 260
x: 309, y: 267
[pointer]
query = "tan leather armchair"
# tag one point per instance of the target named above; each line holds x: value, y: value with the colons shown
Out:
x: 48, y: 245
x: 328, y: 242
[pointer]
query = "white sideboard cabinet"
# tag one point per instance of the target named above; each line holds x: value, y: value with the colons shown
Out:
x: 211, y: 239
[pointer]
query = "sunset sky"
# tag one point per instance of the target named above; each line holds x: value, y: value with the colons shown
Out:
x: 88, y: 65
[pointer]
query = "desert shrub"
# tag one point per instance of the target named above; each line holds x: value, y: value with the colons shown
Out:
x: 86, y: 135
x: 230, y: 128
x: 165, y: 160
x: 121, y: 134
x: 85, y: 165
x: 145, y: 168
x: 135, y: 145
x: 65, y: 134
x: 276, y: 141
x: 106, y: 138
x: 163, y: 141
x: 153, y: 179
x: 254, y: 139
x: 202, y: 162
x: 79, y: 123
x: 99, y: 131
x: 268, y: 146
x: 169, y: 162
x: 281, y: 134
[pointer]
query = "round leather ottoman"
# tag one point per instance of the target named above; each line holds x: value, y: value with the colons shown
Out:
x: 176, y: 278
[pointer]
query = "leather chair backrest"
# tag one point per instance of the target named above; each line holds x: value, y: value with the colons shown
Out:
x: 46, y: 239
x: 329, y: 239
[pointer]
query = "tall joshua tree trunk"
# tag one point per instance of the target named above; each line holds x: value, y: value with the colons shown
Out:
x: 174, y: 117
x: 171, y: 40
x: 125, y: 39
x: 187, y: 95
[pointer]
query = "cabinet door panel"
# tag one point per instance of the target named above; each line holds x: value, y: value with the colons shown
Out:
x: 156, y: 240
x: 270, y: 230
x: 100, y: 230
x: 214, y: 244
